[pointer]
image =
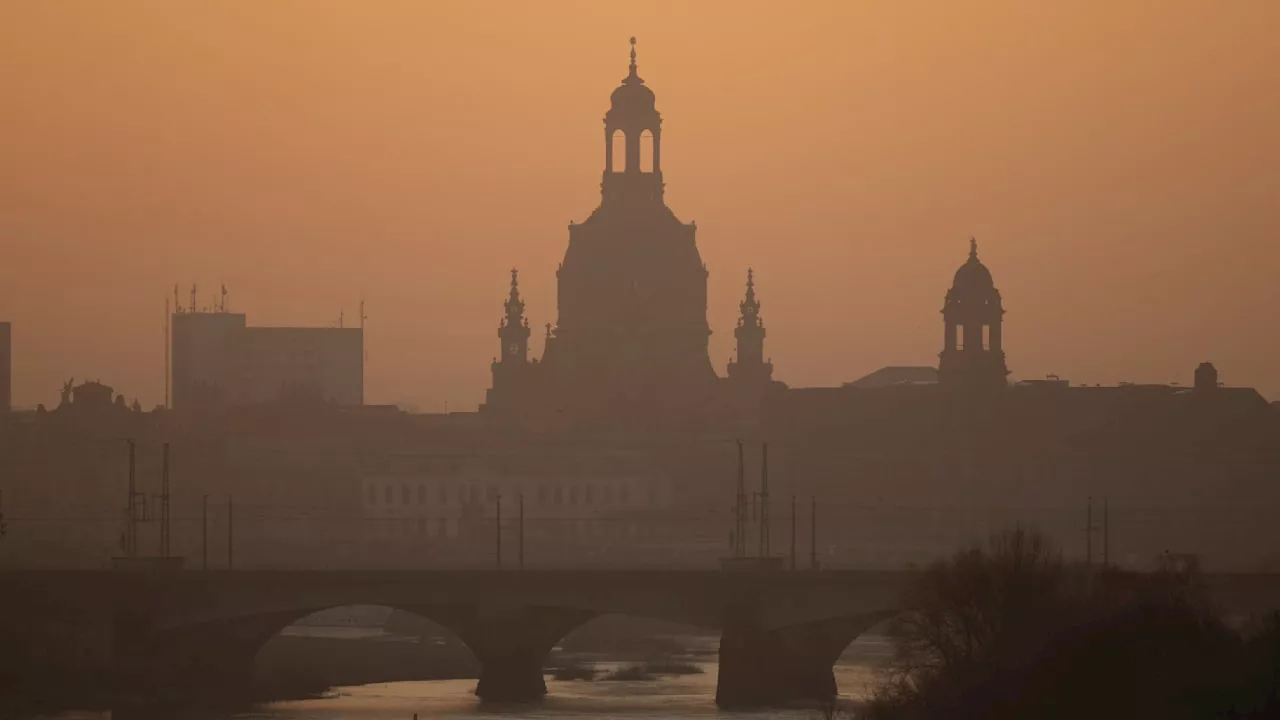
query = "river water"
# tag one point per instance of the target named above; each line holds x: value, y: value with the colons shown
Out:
x: 686, y: 696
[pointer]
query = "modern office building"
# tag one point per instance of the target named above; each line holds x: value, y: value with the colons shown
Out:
x: 218, y: 360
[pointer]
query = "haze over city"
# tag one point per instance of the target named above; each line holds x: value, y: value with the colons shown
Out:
x: 925, y: 371
x: 1117, y: 163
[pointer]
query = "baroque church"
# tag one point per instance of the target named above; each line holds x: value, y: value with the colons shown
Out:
x: 629, y: 349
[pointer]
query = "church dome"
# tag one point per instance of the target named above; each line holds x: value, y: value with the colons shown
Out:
x: 972, y: 275
x: 632, y: 97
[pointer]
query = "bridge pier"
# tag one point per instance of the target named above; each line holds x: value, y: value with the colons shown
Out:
x: 511, y: 645
x: 787, y: 666
x: 210, y: 662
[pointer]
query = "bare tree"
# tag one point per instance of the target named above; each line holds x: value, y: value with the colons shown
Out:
x: 979, y: 604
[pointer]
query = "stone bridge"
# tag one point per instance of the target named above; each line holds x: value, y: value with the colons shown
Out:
x: 194, y: 634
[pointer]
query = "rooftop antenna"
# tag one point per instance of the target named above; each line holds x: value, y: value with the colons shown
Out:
x: 340, y: 319
x: 363, y: 317
x: 177, y: 304
x: 193, y: 298
x: 166, y: 351
x: 223, y: 306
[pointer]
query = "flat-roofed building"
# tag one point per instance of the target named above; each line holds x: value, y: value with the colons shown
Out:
x: 218, y: 361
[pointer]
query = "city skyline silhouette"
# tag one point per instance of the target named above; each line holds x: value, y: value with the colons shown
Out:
x: 876, y: 358
x: 1119, y: 190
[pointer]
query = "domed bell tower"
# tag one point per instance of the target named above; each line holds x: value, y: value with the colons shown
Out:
x: 972, y: 355
x: 629, y: 349
x: 634, y: 178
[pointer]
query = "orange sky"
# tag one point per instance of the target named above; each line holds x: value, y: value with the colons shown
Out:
x: 1119, y: 163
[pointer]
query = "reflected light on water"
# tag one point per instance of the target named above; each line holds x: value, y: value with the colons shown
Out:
x: 671, y: 697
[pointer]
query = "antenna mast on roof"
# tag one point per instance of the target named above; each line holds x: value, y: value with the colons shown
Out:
x: 363, y: 347
x: 193, y: 298
x: 167, y: 320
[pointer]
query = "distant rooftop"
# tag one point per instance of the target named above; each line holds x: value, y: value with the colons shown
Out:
x: 897, y: 375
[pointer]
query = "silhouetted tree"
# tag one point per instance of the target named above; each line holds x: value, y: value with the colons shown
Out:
x: 976, y: 614
x: 1010, y: 632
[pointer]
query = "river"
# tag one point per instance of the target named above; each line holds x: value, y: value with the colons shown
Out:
x: 684, y: 696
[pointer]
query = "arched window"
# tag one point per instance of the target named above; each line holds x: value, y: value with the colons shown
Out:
x: 404, y: 494
x: 422, y: 494
x: 573, y: 495
x: 646, y: 152
x: 618, y: 141
x: 559, y: 496
x: 444, y: 495
x: 388, y: 495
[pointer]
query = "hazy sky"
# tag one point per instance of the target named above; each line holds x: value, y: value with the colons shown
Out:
x: 1119, y: 163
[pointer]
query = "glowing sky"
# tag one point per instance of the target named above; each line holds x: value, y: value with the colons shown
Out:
x: 1117, y: 161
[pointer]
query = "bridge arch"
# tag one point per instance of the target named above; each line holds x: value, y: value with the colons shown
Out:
x: 214, y: 658
x: 639, y: 639
x: 355, y: 645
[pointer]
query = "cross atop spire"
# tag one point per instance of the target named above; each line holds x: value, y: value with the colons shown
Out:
x: 973, y: 249
x: 632, y: 78
x: 514, y: 305
x: 750, y: 306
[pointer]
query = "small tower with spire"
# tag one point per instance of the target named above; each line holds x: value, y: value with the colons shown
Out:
x: 513, y: 331
x: 751, y: 365
x: 972, y: 353
x: 512, y: 369
x: 632, y: 180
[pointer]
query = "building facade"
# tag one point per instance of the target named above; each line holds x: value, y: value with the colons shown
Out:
x: 219, y: 361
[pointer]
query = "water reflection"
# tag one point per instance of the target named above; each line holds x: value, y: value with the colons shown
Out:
x: 686, y: 696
